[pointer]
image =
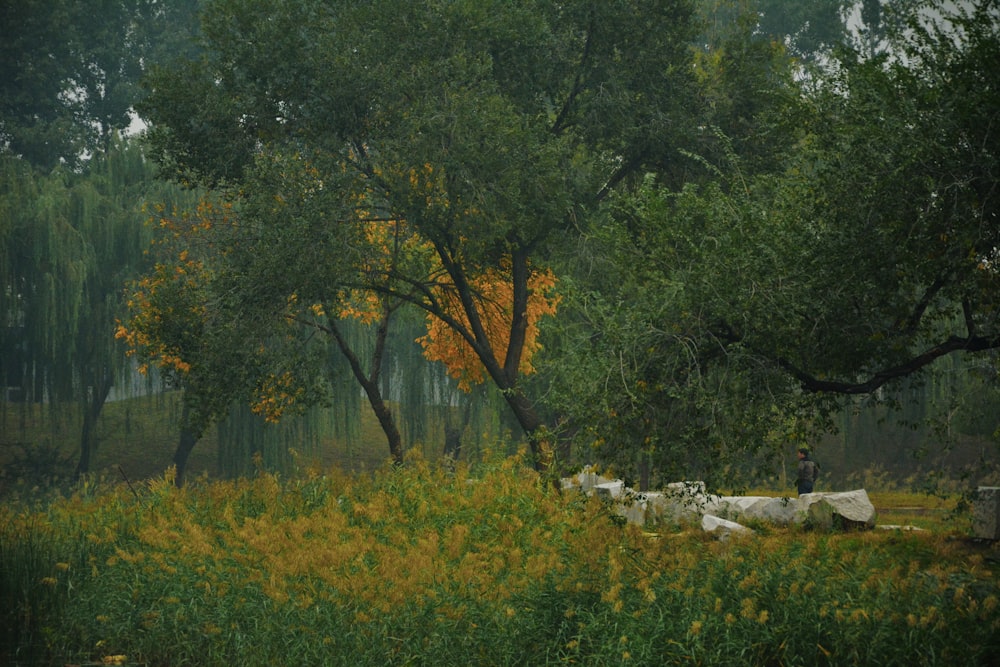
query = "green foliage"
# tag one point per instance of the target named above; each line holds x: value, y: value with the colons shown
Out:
x: 69, y: 242
x: 481, y: 142
x: 71, y: 71
x: 862, y: 251
x: 416, y: 565
x: 72, y: 192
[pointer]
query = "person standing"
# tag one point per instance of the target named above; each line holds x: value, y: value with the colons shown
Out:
x: 808, y: 472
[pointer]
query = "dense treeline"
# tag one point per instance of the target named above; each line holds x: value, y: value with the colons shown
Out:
x: 677, y: 237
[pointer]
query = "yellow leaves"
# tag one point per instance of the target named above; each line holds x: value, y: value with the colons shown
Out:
x: 363, y: 306
x: 170, y: 297
x: 275, y: 395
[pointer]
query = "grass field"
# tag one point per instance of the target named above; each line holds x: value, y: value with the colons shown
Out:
x: 423, y: 565
x: 428, y: 566
x: 137, y: 438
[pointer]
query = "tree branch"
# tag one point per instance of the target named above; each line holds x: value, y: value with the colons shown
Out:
x: 811, y: 383
x: 913, y: 321
x: 618, y: 176
x: 560, y: 120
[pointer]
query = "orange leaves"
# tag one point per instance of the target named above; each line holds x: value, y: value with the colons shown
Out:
x: 167, y: 305
x: 494, y: 300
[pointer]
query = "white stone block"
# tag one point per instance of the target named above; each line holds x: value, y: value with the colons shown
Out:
x: 986, y: 513
x: 610, y: 490
x: 721, y: 527
x: 634, y: 507
x: 850, y: 508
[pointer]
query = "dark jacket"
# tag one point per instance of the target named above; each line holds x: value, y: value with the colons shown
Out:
x: 808, y: 474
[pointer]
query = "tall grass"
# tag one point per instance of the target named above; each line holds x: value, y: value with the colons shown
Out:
x: 422, y: 565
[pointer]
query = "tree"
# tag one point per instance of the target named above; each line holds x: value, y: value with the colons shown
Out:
x: 490, y: 129
x: 174, y: 323
x: 71, y: 231
x: 70, y: 241
x: 867, y: 256
x: 189, y: 294
x: 806, y: 27
x: 71, y: 70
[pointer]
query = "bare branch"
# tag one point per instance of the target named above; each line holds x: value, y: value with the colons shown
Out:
x: 811, y: 383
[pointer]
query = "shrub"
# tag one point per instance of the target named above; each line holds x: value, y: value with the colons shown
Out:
x: 421, y: 565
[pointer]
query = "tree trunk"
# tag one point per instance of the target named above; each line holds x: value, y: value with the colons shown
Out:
x: 370, y: 381
x: 185, y: 444
x: 452, y: 442
x: 385, y: 420
x: 526, y: 415
x: 97, y: 395
x: 504, y: 376
x: 453, y: 432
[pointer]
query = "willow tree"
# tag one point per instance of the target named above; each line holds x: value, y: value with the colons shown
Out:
x: 70, y: 242
x: 490, y: 128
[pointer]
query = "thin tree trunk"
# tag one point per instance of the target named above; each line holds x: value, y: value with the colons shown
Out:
x: 453, y: 432
x: 370, y: 381
x: 91, y: 413
x: 188, y: 440
x: 385, y: 420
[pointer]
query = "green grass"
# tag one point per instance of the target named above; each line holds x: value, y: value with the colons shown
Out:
x: 137, y: 438
x: 40, y: 442
x: 920, y: 510
x: 426, y: 566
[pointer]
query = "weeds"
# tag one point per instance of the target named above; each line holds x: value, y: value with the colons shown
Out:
x: 421, y: 565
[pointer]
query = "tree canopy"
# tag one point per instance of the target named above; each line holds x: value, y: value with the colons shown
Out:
x: 864, y: 254
x: 70, y: 70
x: 735, y: 238
x: 489, y: 136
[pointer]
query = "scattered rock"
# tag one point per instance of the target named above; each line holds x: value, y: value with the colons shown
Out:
x: 721, y: 528
x: 610, y: 490
x: 688, y: 501
x: 845, y: 510
x: 986, y: 513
